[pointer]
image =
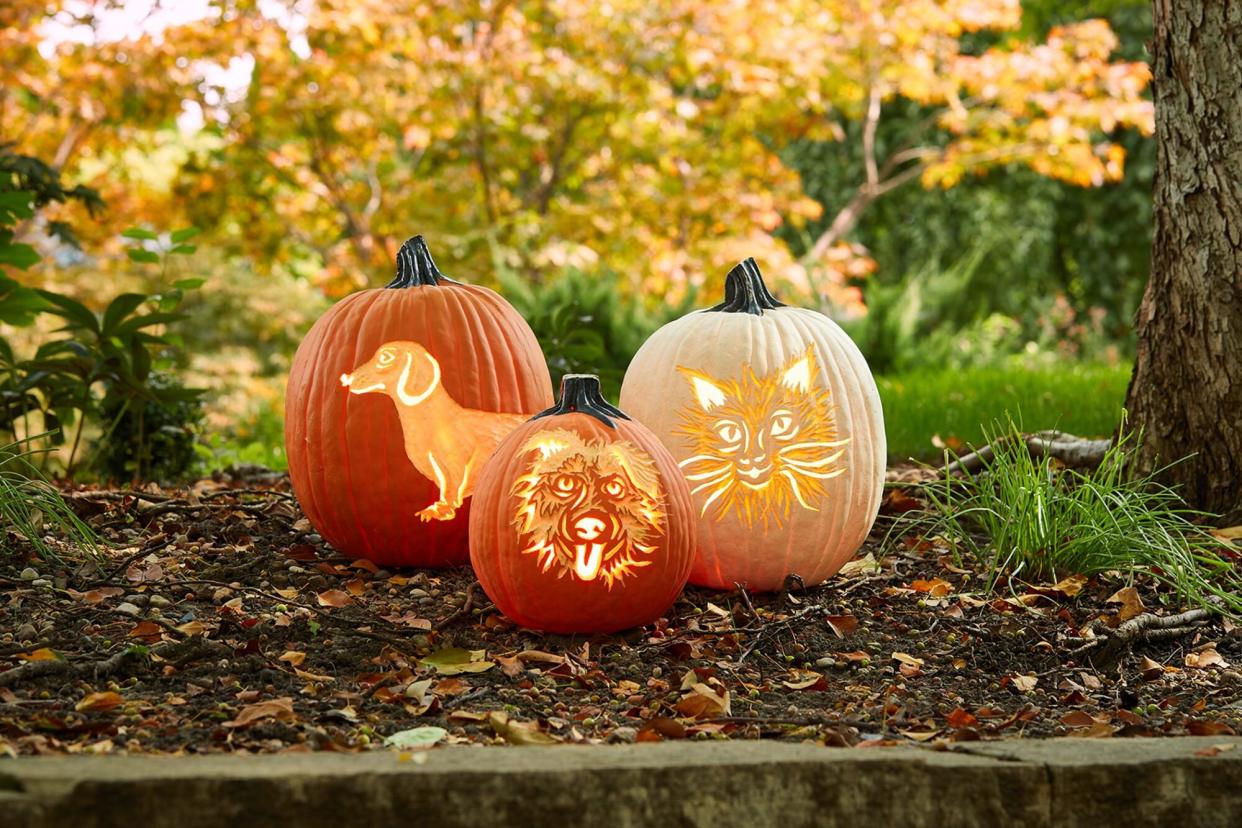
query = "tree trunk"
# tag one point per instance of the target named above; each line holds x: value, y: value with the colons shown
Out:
x: 1186, y: 392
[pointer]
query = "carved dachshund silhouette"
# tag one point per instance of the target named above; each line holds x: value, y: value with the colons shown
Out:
x: 445, y: 441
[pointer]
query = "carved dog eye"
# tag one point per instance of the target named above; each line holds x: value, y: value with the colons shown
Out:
x: 613, y: 487
x: 564, y: 484
x: 385, y: 359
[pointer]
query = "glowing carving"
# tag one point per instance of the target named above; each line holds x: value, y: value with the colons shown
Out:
x: 760, y: 444
x: 589, y: 509
x: 445, y: 441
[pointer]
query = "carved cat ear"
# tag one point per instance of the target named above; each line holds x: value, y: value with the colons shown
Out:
x: 797, y: 375
x: 706, y: 390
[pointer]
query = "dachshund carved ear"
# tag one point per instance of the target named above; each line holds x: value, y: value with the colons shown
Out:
x: 412, y: 388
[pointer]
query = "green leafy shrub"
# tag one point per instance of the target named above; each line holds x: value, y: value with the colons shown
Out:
x: 586, y: 325
x: 101, y: 368
x: 150, y: 439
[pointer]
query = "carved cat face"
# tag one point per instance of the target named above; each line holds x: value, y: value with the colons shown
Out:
x: 759, y: 445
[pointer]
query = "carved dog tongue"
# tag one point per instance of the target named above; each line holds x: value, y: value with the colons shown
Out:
x: 587, y: 563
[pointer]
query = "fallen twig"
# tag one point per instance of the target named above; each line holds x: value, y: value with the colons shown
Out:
x: 1107, y: 651
x: 1068, y: 448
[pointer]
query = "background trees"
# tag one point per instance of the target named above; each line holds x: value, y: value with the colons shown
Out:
x: 943, y: 175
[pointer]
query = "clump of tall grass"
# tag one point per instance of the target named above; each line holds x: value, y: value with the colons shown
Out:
x: 28, y: 503
x: 1023, y: 516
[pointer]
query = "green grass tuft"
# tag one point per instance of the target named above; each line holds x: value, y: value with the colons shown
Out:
x: 28, y: 503
x: 1026, y: 518
x: 956, y: 404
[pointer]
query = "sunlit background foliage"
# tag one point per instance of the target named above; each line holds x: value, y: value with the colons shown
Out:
x: 964, y: 184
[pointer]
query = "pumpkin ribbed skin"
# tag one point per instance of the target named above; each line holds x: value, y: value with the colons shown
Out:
x: 555, y: 600
x: 347, y: 456
x: 744, y: 350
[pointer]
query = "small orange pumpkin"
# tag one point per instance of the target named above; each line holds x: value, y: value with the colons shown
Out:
x: 581, y: 520
x: 395, y: 400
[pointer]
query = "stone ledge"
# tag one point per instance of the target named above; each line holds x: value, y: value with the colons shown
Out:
x: 1061, y: 782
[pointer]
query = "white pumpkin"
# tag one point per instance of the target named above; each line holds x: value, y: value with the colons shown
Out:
x: 775, y: 420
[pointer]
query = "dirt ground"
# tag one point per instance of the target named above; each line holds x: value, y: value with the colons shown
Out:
x: 217, y: 620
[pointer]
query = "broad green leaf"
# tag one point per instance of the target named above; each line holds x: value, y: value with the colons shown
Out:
x: 119, y: 309
x: 139, y: 233
x: 147, y: 256
x: 416, y: 737
x: 20, y: 256
x: 73, y: 311
x: 454, y: 660
x: 184, y: 234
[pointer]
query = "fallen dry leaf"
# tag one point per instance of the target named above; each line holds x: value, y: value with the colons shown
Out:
x: 95, y: 596
x: 704, y: 701
x: 842, y: 625
x: 519, y: 733
x: 452, y: 661
x: 908, y: 665
x: 1131, y: 603
x: 936, y: 587
x: 104, y: 700
x: 806, y: 680
x: 293, y: 657
x: 280, y: 709
x: 333, y: 598
x: 1206, y: 657
x: 1215, y: 750
x: 41, y: 654
x: 1071, y: 586
x: 1024, y: 683
x: 865, y: 565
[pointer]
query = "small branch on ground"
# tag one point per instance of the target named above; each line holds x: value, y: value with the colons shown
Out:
x: 1107, y: 651
x: 178, y: 653
x: 472, y: 593
x: 1073, y: 451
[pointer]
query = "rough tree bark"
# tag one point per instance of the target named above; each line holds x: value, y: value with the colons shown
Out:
x: 1186, y: 391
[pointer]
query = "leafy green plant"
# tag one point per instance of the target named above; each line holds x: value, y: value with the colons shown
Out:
x: 1024, y: 517
x: 585, y: 324
x: 115, y: 351
x: 150, y: 439
x: 28, y: 503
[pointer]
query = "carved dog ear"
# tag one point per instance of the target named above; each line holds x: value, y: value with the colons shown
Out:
x: 553, y: 443
x: 419, y: 377
x: 638, y: 467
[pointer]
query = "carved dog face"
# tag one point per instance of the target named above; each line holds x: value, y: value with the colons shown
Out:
x: 403, y: 370
x: 589, y: 509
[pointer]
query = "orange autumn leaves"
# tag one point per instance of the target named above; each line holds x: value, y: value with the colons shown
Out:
x: 644, y: 136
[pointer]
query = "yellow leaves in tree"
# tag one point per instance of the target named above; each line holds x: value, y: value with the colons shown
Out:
x: 537, y: 136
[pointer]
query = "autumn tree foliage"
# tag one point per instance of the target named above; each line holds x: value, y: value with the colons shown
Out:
x: 536, y: 135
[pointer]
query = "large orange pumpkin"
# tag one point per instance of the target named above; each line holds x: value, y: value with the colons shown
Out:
x: 581, y: 520
x: 395, y: 400
x: 776, y: 422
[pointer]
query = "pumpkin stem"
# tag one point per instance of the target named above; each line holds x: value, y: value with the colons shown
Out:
x: 415, y: 267
x: 580, y: 393
x: 745, y: 291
